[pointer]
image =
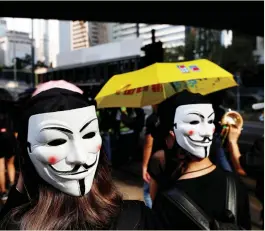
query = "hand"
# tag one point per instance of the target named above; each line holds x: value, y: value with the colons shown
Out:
x: 146, y: 175
x: 234, y: 133
x: 20, y: 183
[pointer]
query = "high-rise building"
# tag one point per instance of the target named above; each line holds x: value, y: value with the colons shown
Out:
x: 14, y: 44
x: 98, y: 33
x: 3, y: 27
x: 79, y: 35
x: 42, y: 41
x: 169, y: 35
x: 87, y: 34
x: 64, y: 36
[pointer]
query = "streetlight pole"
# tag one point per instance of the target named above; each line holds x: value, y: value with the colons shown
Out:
x: 32, y: 54
x: 14, y: 56
x: 137, y: 30
x: 15, y: 59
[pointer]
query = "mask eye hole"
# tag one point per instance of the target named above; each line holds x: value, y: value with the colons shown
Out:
x: 194, y: 122
x: 89, y: 135
x: 57, y: 142
x: 210, y: 121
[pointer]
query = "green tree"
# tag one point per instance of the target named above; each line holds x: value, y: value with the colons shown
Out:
x: 40, y: 64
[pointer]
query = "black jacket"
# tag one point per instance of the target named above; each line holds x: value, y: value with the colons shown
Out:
x: 253, y: 163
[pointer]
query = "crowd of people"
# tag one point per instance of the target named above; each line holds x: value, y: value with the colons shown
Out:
x: 66, y: 148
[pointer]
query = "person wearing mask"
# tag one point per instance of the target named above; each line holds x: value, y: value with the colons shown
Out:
x: 184, y: 168
x: 65, y: 182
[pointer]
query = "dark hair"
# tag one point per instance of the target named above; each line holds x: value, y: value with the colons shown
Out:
x: 49, y: 208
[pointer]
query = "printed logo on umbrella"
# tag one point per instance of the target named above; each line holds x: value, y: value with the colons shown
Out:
x: 194, y: 68
x: 183, y: 68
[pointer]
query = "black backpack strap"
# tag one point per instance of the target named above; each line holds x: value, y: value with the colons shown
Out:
x: 231, y: 196
x: 130, y: 216
x: 188, y: 207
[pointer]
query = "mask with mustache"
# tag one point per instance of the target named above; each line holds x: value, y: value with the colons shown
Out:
x: 64, y: 147
x: 194, y: 128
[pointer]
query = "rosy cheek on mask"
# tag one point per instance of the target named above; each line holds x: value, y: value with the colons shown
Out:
x: 190, y: 133
x: 99, y: 147
x: 52, y: 160
x: 48, y: 156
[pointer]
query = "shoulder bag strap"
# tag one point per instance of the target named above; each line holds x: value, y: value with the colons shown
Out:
x: 188, y: 207
x: 231, y: 195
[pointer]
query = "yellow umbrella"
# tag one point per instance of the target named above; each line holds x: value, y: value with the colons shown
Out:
x: 153, y: 84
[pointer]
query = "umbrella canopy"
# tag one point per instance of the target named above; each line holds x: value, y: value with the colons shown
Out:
x: 155, y: 83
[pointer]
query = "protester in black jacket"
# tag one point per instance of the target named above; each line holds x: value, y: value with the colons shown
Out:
x: 252, y: 162
x: 186, y: 125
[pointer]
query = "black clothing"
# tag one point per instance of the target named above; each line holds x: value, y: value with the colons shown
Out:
x: 151, y: 129
x: 253, y: 163
x: 208, y: 192
x: 134, y: 214
x: 8, y: 142
x: 15, y: 199
x: 8, y: 145
x: 106, y: 119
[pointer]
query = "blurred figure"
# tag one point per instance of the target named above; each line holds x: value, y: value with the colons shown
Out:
x: 8, y: 146
x: 151, y: 145
x: 218, y: 155
x: 105, y: 124
x: 251, y: 163
x: 126, y: 136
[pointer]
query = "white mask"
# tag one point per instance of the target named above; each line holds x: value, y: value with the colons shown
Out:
x: 194, y: 128
x: 64, y: 148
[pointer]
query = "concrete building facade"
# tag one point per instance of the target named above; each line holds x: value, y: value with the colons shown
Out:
x: 79, y: 35
x: 14, y: 44
x: 170, y: 35
x: 3, y: 27
x: 82, y: 34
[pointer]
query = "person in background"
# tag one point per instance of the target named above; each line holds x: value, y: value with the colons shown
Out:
x: 126, y: 137
x: 252, y: 162
x: 8, y: 149
x: 105, y: 124
x: 151, y: 145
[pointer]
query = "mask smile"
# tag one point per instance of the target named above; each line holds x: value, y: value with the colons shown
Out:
x: 204, y: 141
x: 74, y: 171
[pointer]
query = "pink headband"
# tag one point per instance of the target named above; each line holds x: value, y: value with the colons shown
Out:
x: 56, y: 84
